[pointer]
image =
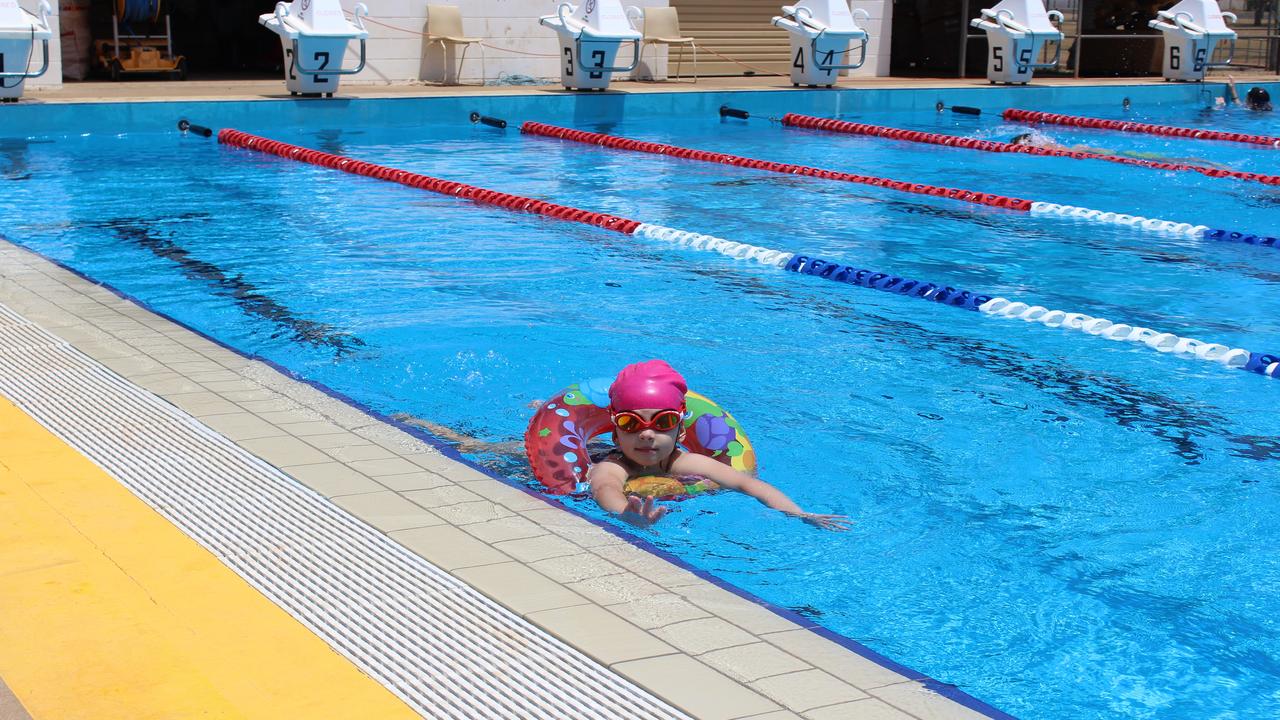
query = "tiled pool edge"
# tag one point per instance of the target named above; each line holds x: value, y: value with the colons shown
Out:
x: 716, y: 632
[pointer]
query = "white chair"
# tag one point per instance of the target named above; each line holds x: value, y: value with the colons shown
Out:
x: 444, y: 26
x: 661, y: 26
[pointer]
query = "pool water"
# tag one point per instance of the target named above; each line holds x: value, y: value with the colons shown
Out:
x: 1061, y: 526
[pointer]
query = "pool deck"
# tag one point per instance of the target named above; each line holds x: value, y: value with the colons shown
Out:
x: 167, y: 91
x: 107, y: 594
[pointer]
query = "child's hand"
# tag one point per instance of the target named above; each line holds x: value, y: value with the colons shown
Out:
x: 642, y: 513
x: 836, y: 523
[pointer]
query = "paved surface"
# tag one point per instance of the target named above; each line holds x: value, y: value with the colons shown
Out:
x: 109, y: 610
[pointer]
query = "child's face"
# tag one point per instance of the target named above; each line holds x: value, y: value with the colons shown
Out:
x: 648, y: 447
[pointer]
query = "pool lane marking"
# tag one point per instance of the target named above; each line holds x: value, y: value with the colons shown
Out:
x: 809, y: 122
x: 107, y: 610
x: 1262, y: 364
x: 1070, y: 212
x: 1034, y: 116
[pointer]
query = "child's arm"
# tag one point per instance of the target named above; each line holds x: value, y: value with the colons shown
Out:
x: 725, y: 476
x: 607, y: 481
x: 465, y: 443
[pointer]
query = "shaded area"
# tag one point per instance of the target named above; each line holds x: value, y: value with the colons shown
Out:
x: 15, y: 151
x: 247, y: 296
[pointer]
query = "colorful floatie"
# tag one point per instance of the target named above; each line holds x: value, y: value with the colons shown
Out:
x: 669, y: 487
x: 556, y: 441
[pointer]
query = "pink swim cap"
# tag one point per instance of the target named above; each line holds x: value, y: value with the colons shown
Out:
x: 647, y: 385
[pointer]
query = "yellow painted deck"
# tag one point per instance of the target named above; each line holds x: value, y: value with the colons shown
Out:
x: 109, y: 611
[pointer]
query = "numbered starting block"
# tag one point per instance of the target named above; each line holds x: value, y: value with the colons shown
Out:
x: 1016, y: 32
x: 19, y: 32
x: 821, y: 33
x: 314, y: 36
x: 591, y: 37
x: 1192, y: 30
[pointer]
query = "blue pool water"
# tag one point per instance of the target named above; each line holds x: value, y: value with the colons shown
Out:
x: 1062, y: 526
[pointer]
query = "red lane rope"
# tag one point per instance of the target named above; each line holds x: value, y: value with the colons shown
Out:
x: 1033, y: 116
x: 621, y: 143
x: 426, y: 182
x: 841, y: 126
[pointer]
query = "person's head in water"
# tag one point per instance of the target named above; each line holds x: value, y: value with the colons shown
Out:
x: 647, y: 405
x: 1258, y: 99
x: 1022, y: 139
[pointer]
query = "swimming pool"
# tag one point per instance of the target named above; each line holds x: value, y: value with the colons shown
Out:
x: 1060, y: 525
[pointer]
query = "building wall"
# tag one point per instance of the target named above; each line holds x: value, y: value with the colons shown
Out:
x: 397, y: 50
x: 518, y: 45
x: 879, y: 27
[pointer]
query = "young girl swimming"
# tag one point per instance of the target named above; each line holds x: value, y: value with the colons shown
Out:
x: 647, y: 405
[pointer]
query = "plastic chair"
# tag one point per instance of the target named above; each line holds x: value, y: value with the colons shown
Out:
x: 444, y: 26
x: 662, y: 27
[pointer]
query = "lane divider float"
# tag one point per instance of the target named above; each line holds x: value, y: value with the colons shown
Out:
x: 1070, y: 212
x: 1044, y: 118
x: 1262, y: 364
x: 621, y: 143
x: 809, y: 122
x: 424, y: 182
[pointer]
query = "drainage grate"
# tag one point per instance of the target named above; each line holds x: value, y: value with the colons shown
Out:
x: 442, y: 647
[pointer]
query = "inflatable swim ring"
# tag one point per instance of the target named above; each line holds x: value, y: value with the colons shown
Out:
x: 556, y: 441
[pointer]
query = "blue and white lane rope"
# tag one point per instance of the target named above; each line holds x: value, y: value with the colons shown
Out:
x: 1264, y: 364
x: 1166, y: 227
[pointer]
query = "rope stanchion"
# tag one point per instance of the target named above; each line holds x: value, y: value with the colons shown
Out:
x: 841, y: 126
x: 1262, y: 364
x: 1137, y: 222
x: 1044, y: 118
